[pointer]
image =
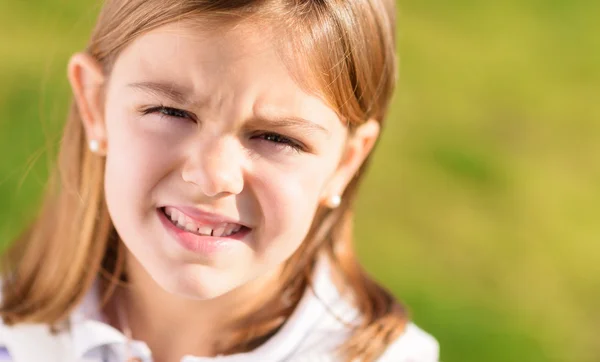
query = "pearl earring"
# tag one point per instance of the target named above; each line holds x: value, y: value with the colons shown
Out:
x: 334, y: 201
x: 94, y: 146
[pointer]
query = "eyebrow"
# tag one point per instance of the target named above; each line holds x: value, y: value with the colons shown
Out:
x: 172, y: 91
x: 292, y: 122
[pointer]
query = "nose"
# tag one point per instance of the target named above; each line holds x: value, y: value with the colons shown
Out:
x: 215, y: 167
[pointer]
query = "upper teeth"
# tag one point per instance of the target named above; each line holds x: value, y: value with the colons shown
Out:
x: 188, y: 224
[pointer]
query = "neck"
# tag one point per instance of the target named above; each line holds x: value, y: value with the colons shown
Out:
x: 174, y: 326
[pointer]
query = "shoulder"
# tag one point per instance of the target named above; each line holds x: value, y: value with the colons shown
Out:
x: 4, y: 353
x: 414, y: 345
x: 334, y: 326
x: 16, y: 342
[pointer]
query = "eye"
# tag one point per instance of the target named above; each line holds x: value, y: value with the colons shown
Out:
x: 280, y: 140
x: 169, y: 112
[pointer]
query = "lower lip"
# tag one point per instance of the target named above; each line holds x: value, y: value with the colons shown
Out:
x: 201, y: 244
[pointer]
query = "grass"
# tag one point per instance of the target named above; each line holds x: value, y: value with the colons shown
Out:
x: 480, y: 210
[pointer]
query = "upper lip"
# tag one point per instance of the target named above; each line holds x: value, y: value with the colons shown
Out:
x: 205, y: 217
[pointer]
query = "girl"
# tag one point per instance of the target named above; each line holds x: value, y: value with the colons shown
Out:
x: 202, y: 204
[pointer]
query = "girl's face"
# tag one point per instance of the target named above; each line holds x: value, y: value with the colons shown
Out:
x: 216, y: 159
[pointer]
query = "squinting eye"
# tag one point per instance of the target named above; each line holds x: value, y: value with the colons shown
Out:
x: 169, y: 112
x: 282, y: 140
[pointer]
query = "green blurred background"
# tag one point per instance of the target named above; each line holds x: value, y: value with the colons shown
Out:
x: 480, y: 210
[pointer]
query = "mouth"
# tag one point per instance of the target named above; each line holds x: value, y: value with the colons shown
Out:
x: 185, y: 223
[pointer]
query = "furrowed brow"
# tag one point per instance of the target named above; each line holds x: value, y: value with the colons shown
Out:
x: 171, y: 91
x: 293, y: 122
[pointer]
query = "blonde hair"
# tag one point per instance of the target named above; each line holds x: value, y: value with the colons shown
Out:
x: 349, y: 47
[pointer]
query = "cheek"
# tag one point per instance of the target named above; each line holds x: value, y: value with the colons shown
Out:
x: 136, y: 161
x: 288, y: 201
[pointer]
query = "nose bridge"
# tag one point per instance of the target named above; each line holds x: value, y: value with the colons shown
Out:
x: 218, y: 156
x: 218, y: 167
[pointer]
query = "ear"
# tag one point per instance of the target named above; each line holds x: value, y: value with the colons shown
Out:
x: 358, y: 147
x: 87, y: 81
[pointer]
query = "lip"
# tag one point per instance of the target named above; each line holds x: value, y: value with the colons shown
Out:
x: 200, y: 244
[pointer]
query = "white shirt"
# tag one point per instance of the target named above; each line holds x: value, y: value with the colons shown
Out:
x: 311, y: 334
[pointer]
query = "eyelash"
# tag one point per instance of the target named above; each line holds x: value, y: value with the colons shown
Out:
x: 267, y: 136
x: 281, y: 140
x: 168, y: 112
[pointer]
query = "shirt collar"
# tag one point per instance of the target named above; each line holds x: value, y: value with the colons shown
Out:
x: 90, y: 330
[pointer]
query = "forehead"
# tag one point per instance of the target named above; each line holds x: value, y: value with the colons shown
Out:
x: 217, y: 47
x: 218, y: 61
x: 196, y: 54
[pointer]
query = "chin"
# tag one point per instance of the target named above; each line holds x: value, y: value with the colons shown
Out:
x: 196, y: 282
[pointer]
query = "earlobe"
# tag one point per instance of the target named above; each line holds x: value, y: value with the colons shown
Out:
x: 359, y: 146
x: 87, y: 82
